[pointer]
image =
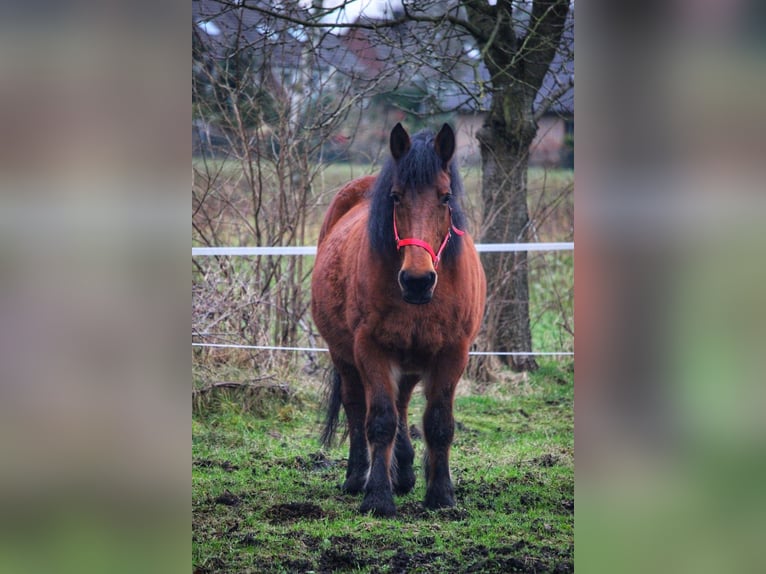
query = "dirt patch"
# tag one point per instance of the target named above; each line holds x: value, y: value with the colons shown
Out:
x: 334, y: 560
x: 298, y: 565
x: 515, y: 558
x: 292, y: 511
x: 342, y: 555
x: 228, y: 499
x: 480, y: 559
x: 214, y: 564
x: 529, y: 500
x: 249, y: 539
x: 546, y: 461
x: 402, y: 562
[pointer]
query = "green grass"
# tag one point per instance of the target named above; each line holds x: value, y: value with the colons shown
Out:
x: 543, y: 185
x: 266, y: 497
x: 551, y: 301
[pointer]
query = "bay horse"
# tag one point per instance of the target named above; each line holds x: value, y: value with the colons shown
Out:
x: 398, y: 294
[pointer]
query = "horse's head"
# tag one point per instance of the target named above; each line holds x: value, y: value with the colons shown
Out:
x: 421, y: 195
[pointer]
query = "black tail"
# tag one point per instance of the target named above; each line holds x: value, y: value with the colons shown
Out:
x: 332, y: 403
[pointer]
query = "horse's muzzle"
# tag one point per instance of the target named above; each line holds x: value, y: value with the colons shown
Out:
x: 417, y: 289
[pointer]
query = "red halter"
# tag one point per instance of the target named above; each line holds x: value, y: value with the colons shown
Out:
x: 435, y: 257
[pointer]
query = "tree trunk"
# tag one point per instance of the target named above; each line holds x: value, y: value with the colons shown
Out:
x: 506, y: 218
x: 517, y: 65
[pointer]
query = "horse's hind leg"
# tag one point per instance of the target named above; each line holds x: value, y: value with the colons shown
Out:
x: 352, y: 397
x: 404, y: 478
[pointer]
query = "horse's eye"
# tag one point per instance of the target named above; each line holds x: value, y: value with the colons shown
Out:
x: 446, y: 198
x: 396, y: 197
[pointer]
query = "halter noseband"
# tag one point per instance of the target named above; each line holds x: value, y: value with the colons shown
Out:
x: 435, y: 257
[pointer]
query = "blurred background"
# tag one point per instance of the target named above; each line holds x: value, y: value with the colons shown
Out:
x: 94, y: 175
x: 669, y: 275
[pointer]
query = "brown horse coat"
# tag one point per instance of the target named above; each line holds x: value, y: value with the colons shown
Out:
x: 367, y: 296
x: 380, y: 344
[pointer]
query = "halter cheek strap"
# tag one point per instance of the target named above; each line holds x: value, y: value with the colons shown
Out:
x: 435, y: 256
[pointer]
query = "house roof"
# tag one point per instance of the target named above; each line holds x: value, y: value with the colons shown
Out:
x: 460, y: 88
x: 367, y: 55
x: 560, y: 74
x: 226, y: 28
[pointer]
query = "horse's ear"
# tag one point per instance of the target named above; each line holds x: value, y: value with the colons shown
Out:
x: 444, y: 143
x: 400, y: 141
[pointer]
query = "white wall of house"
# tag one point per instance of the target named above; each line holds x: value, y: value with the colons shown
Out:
x: 547, y: 149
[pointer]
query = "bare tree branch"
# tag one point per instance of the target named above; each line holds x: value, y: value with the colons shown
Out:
x: 552, y: 98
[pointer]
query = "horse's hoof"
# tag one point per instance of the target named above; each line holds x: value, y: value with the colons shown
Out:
x: 353, y: 485
x: 378, y: 507
x: 405, y: 482
x: 401, y: 490
x: 435, y: 500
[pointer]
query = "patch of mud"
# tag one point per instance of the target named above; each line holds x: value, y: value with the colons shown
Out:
x: 342, y: 555
x: 514, y: 559
x: 546, y: 461
x: 402, y: 562
x: 333, y: 560
x: 214, y: 564
x: 480, y: 559
x: 292, y: 511
x: 228, y: 499
x: 249, y: 539
x: 529, y: 500
x: 297, y: 565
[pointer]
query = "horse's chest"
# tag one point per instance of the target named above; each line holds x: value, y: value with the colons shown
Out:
x: 412, y: 331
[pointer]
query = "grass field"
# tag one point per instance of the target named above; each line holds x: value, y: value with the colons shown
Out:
x: 550, y: 192
x: 266, y: 497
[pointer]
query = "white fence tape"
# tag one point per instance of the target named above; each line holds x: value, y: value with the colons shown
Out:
x: 311, y: 249
x: 324, y: 350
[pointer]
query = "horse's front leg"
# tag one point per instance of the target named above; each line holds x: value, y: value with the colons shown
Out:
x: 380, y: 426
x: 439, y: 426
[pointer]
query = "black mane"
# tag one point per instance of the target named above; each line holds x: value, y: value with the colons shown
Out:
x: 419, y: 167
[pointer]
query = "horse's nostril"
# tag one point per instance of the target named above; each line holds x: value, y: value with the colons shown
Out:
x: 417, y: 283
